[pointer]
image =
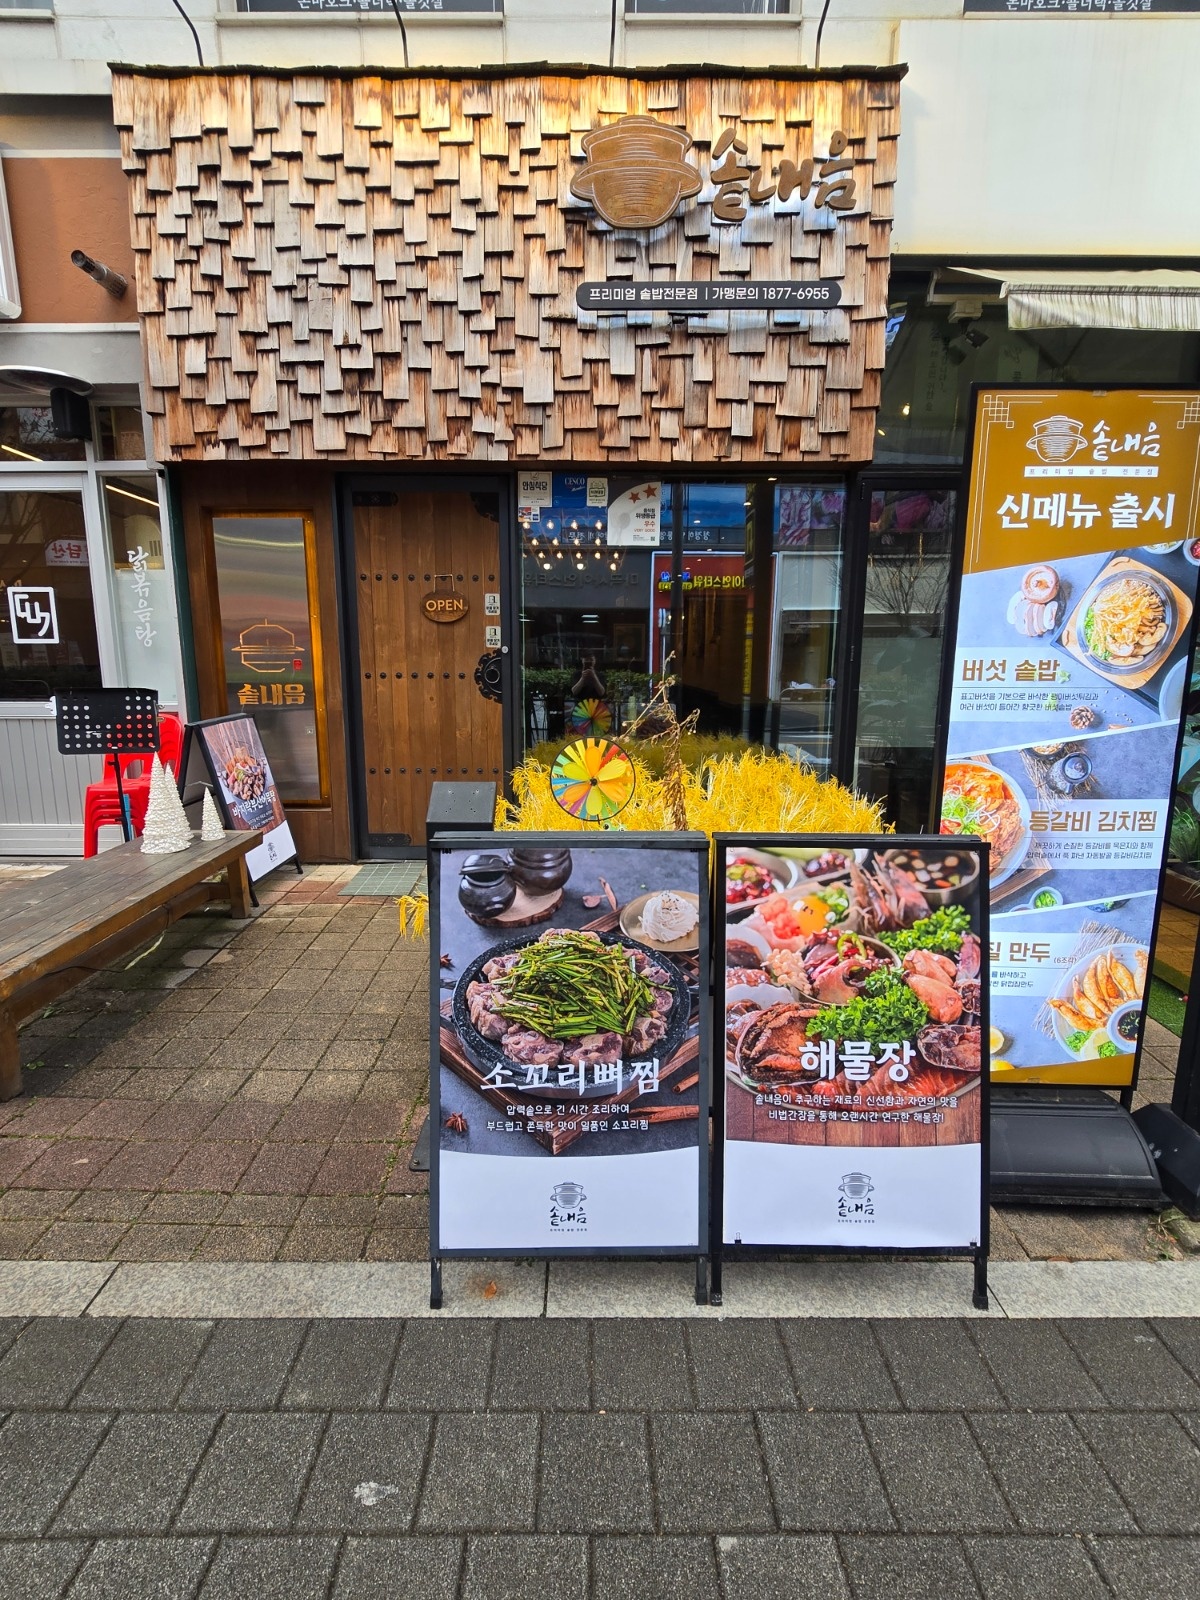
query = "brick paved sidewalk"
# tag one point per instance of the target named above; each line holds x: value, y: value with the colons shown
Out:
x: 254, y: 1095
x: 618, y: 1460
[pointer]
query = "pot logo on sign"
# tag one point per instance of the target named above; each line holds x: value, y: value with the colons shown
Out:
x: 635, y: 174
x: 566, y: 1208
x: 1057, y: 439
x: 855, y: 1204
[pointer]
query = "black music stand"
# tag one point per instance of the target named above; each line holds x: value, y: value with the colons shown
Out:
x: 109, y: 722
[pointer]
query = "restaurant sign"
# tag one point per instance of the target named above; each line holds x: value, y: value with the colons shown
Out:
x: 1068, y: 677
x: 636, y: 176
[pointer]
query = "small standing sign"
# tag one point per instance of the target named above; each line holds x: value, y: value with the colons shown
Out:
x: 227, y: 753
x: 853, y: 1004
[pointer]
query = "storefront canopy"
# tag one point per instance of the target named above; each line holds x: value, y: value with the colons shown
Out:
x: 1146, y: 302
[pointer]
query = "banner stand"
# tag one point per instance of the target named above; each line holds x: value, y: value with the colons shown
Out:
x: 899, y: 1126
x: 1078, y: 499
x: 1173, y: 1132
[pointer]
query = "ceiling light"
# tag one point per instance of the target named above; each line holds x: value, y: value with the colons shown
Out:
x: 129, y: 495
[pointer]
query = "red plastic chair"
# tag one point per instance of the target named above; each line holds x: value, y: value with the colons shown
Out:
x: 101, y: 806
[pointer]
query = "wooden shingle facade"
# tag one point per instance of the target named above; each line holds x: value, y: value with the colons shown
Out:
x: 383, y: 268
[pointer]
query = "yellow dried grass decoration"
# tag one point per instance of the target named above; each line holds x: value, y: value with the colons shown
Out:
x: 413, y: 910
x: 757, y: 792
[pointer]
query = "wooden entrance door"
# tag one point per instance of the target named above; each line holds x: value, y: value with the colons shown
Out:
x: 423, y: 716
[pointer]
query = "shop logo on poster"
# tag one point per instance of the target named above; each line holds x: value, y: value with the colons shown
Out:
x: 855, y: 1204
x: 33, y: 616
x: 566, y: 1208
x: 1056, y: 439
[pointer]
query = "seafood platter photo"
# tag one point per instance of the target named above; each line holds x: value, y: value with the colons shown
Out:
x: 855, y: 1010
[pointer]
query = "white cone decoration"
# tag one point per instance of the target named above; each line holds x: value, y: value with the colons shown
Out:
x: 166, y: 828
x: 212, y: 829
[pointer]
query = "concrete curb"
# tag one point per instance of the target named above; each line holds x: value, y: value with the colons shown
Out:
x: 1026, y: 1289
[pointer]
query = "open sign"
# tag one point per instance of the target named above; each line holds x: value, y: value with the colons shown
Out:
x: 445, y: 605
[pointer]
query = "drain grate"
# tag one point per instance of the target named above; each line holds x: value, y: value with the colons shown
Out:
x: 387, y: 878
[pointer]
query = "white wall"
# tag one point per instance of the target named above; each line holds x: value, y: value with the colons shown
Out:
x: 1050, y: 137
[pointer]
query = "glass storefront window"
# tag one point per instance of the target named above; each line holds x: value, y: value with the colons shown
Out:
x: 712, y: 637
x: 932, y: 363
x: 809, y: 530
x: 119, y: 433
x: 592, y: 621
x: 909, y: 538
x: 48, y: 637
x: 145, y: 604
x: 27, y: 434
x: 269, y: 645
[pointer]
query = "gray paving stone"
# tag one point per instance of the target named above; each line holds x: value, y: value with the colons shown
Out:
x: 936, y: 1366
x: 1035, y: 1366
x: 385, y: 1453
x: 595, y: 1475
x: 640, y: 1366
x: 738, y: 1365
x: 40, y: 1458
x: 1130, y: 1364
x: 244, y: 1365
x: 481, y: 1476
x: 51, y: 1359
x: 1050, y: 1477
x: 836, y: 1365
x: 145, y: 1366
x: 443, y: 1366
x: 143, y: 1569
x: 541, y: 1365
x: 10, y: 1328
x: 39, y: 1571
x: 1026, y: 1568
x: 382, y: 1569
x: 253, y: 1475
x: 909, y: 1569
x: 937, y: 1481
x: 654, y: 1569
x: 516, y: 1567
x: 1149, y: 1569
x: 1181, y: 1335
x: 344, y: 1365
x: 271, y: 1569
x: 822, y: 1473
x: 137, y: 1479
x: 1154, y: 1463
x: 782, y: 1567
x: 710, y: 1476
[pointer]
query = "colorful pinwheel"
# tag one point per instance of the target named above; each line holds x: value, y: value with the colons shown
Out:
x: 592, y: 779
x: 591, y: 716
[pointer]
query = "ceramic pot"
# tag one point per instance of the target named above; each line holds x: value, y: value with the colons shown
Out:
x: 485, y: 886
x: 540, y: 869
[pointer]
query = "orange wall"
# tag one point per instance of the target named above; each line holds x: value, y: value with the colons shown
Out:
x: 62, y: 203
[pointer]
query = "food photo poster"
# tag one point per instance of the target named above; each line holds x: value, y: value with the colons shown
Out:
x: 1075, y: 623
x: 570, y: 1046
x: 853, y: 977
x: 245, y: 788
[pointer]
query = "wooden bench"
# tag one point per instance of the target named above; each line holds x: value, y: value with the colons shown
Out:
x: 58, y: 930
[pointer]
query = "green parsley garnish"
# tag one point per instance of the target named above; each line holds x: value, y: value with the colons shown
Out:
x: 942, y: 930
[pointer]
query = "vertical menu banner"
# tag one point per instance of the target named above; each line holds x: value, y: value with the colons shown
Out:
x: 569, y: 1069
x: 1075, y: 621
x: 852, y: 995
